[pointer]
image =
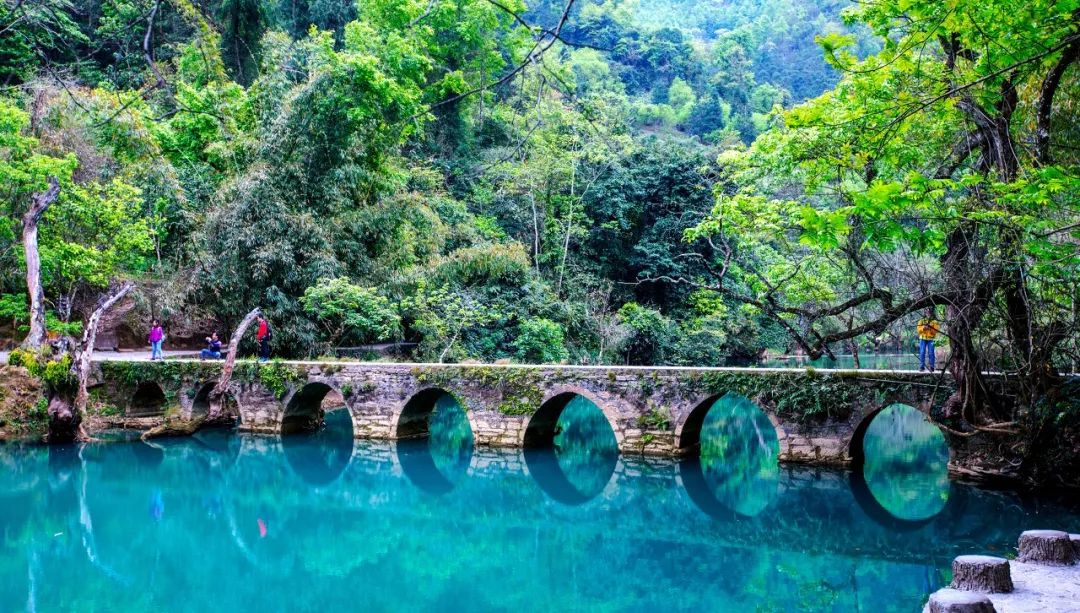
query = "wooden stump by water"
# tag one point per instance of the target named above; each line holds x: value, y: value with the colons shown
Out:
x: 1075, y: 538
x: 982, y: 574
x: 1051, y: 547
x: 955, y: 601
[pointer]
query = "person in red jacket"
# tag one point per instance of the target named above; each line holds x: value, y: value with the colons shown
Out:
x: 263, y: 336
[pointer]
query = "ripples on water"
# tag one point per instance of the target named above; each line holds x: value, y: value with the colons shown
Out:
x: 320, y: 522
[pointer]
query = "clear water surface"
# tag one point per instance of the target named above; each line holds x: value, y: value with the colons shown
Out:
x: 319, y: 522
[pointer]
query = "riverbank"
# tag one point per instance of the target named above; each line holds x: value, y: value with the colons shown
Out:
x: 22, y: 412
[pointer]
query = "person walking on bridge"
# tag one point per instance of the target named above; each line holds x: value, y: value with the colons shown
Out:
x: 156, y: 338
x: 928, y: 329
x: 263, y: 336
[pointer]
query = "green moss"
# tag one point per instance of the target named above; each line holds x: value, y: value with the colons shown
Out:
x: 279, y: 377
x: 54, y: 372
x: 166, y: 373
x: 519, y: 388
x: 655, y: 419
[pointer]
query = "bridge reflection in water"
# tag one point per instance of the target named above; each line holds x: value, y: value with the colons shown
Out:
x: 433, y: 524
x: 902, y: 481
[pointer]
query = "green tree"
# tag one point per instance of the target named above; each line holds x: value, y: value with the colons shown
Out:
x: 540, y: 341
x: 350, y: 312
x: 929, y: 177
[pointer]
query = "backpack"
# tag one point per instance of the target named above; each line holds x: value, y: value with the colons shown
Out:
x: 269, y: 332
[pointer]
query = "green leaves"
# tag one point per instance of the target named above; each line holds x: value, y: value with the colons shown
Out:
x: 352, y: 312
x: 540, y: 341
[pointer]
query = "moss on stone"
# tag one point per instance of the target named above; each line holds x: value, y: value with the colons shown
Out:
x: 518, y: 388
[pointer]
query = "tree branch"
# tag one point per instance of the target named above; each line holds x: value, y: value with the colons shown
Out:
x: 1046, y: 102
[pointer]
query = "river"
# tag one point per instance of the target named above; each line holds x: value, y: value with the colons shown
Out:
x: 321, y: 522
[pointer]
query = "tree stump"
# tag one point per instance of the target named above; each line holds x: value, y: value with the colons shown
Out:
x: 1050, y: 547
x: 949, y: 600
x: 1075, y: 538
x: 982, y: 574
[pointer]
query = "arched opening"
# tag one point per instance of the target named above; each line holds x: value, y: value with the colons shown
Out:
x: 415, y: 418
x: 149, y: 399
x: 308, y: 408
x: 738, y: 455
x: 439, y: 441
x: 571, y: 449
x: 688, y: 434
x: 901, y: 465
x: 200, y: 404
x: 317, y: 434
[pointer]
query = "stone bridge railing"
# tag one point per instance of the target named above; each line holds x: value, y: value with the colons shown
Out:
x: 819, y: 416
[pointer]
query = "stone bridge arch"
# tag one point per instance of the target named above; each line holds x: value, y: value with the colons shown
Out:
x: 854, y: 449
x: 539, y: 429
x: 302, y: 408
x: 198, y: 399
x: 688, y: 430
x: 410, y: 418
x: 148, y: 399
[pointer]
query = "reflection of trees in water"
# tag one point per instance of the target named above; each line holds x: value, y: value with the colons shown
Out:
x: 906, y: 463
x: 739, y: 455
x: 585, y: 446
x: 450, y: 439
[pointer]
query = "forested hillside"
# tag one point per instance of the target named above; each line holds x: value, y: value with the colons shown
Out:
x: 489, y: 180
x: 540, y: 181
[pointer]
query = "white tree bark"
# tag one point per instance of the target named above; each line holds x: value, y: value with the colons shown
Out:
x: 86, y: 348
x: 40, y: 203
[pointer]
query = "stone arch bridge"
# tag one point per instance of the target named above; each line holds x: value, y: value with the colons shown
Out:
x: 819, y: 416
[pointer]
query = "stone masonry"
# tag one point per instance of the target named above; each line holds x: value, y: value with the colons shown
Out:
x: 819, y: 416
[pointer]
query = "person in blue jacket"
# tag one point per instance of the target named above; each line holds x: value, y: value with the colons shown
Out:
x: 213, y: 348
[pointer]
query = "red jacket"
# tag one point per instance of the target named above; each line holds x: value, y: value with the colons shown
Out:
x: 262, y: 331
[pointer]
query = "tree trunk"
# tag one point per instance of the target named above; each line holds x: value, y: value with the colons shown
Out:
x: 1049, y: 547
x: 39, y: 204
x: 963, y: 315
x: 86, y: 348
x: 982, y: 574
x: 216, y: 397
x: 65, y: 415
x: 216, y: 414
x: 949, y: 600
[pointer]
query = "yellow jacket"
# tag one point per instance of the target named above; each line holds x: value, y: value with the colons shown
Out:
x: 928, y: 328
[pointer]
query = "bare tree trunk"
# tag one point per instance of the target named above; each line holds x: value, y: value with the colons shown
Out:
x: 86, y: 349
x: 65, y: 416
x: 216, y: 413
x: 216, y: 397
x: 40, y: 203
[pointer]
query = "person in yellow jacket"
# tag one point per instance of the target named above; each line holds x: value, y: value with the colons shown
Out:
x: 928, y: 329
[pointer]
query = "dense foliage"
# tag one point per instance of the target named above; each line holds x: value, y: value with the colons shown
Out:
x: 488, y: 180
x: 539, y: 180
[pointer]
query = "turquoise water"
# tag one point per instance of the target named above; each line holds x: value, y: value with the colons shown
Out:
x: 318, y: 522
